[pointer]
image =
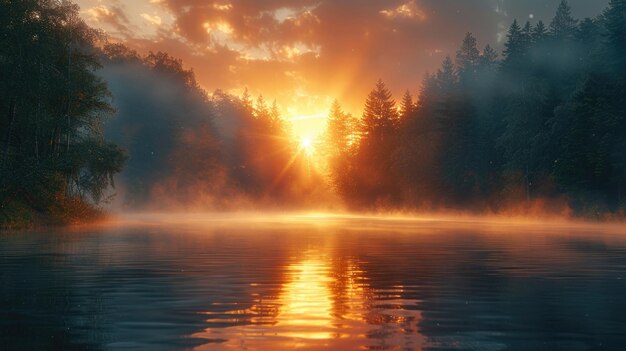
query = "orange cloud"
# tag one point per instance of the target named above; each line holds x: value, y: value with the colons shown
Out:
x: 304, y: 53
x: 154, y: 19
x: 407, y: 10
x: 109, y: 15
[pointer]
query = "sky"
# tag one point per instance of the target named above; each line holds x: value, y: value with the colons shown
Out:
x: 306, y: 53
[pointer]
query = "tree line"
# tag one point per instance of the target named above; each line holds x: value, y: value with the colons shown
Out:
x: 78, y: 112
x: 541, y: 123
x: 191, y: 149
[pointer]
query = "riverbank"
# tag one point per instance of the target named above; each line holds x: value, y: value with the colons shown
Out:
x: 17, y: 215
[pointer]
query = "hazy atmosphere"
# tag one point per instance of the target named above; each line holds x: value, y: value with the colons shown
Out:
x: 480, y: 107
x: 305, y: 53
x: 313, y: 175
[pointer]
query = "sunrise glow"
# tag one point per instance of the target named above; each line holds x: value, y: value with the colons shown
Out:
x: 307, y: 146
x: 312, y: 175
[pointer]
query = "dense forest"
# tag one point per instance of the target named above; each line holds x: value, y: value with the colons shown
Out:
x: 540, y: 126
x: 54, y: 162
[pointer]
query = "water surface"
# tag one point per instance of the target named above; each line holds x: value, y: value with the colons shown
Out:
x: 233, y: 282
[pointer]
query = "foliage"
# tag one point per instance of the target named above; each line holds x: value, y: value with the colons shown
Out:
x: 545, y: 122
x: 53, y: 107
x: 543, y: 119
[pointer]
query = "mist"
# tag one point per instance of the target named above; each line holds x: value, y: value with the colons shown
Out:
x: 536, y: 129
x: 189, y: 149
x: 490, y: 132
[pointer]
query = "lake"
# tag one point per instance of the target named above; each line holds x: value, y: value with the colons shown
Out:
x: 314, y: 282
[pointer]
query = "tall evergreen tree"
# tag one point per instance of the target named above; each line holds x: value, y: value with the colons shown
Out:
x: 246, y: 100
x: 514, y: 49
x: 539, y: 33
x: 467, y: 57
x: 339, y: 129
x: 615, y: 23
x: 380, y: 116
x: 340, y: 142
x: 563, y: 25
x: 446, y: 76
x: 260, y: 108
x: 406, y: 107
x: 591, y: 156
x: 527, y: 36
x: 375, y: 154
x: 489, y: 57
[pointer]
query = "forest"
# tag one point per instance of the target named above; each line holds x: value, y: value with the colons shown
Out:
x: 54, y: 107
x: 539, y: 127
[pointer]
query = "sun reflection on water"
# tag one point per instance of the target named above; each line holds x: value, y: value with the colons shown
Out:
x: 322, y: 304
x: 306, y: 301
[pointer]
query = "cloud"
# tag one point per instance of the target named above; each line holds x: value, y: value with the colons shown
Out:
x: 154, y: 19
x: 406, y: 10
x: 304, y: 53
x: 113, y: 16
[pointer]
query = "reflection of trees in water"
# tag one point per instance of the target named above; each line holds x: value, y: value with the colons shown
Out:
x: 42, y: 307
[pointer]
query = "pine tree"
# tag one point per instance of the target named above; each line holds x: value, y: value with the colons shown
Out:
x: 375, y: 154
x: 563, y: 25
x: 446, y: 76
x: 339, y: 129
x: 539, y: 33
x: 380, y: 115
x: 406, y: 107
x: 427, y: 91
x: 339, y: 142
x: 527, y: 36
x: 590, y: 139
x: 246, y: 100
x: 615, y: 16
x: 489, y: 57
x: 455, y: 121
x: 467, y: 57
x: 260, y: 108
x: 514, y: 50
x: 615, y: 22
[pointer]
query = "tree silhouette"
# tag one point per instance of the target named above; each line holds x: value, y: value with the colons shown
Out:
x: 563, y: 25
x: 54, y: 158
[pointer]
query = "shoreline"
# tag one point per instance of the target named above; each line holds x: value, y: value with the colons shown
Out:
x: 397, y: 220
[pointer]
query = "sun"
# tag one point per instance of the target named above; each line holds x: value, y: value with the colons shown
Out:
x: 306, y: 145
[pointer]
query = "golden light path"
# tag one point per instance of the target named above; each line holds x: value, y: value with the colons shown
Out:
x: 306, y: 302
x: 323, y: 304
